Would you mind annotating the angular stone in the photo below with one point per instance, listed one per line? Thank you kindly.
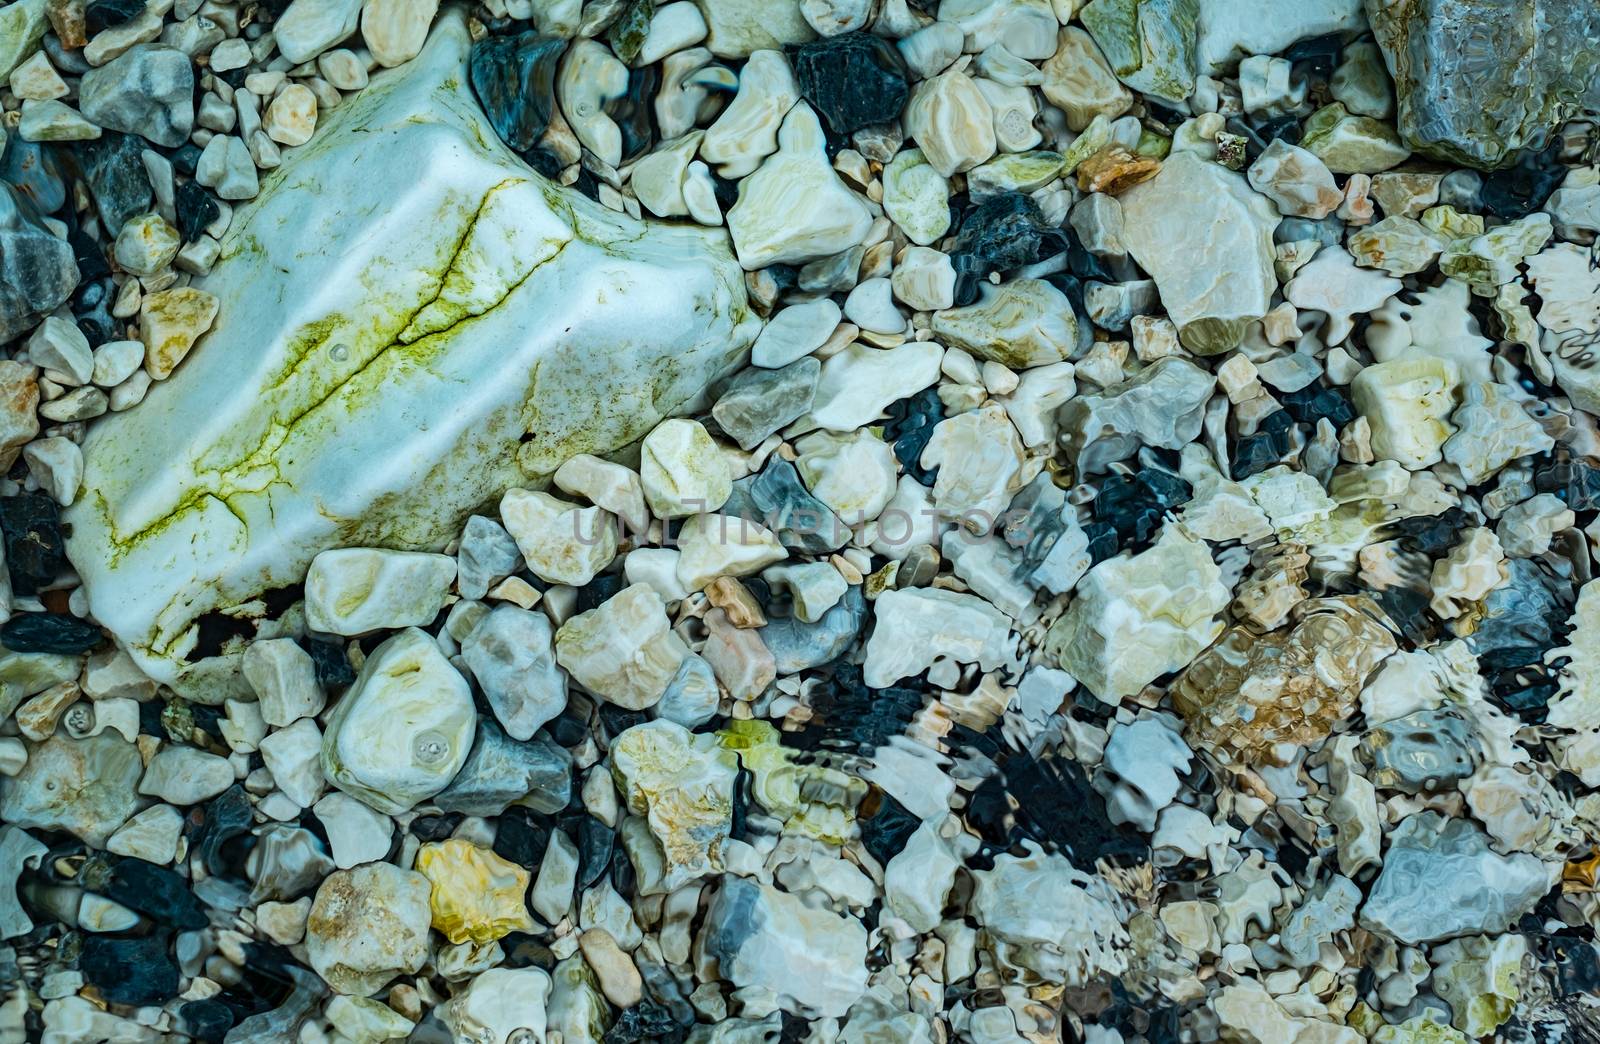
(357, 590)
(368, 925)
(1161, 406)
(327, 354)
(916, 625)
(1206, 239)
(758, 402)
(148, 90)
(1134, 619)
(500, 771)
(1477, 81)
(1351, 144)
(1149, 43)
(511, 655)
(916, 197)
(683, 783)
(1234, 29)
(623, 651)
(1019, 324)
(764, 939)
(85, 787)
(477, 895)
(1441, 880)
(37, 270)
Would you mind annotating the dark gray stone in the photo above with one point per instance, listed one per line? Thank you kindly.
(37, 271)
(758, 402)
(499, 771)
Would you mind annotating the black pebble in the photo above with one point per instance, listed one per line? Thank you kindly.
(1136, 504)
(598, 590)
(1004, 231)
(855, 80)
(1316, 401)
(206, 1020)
(910, 426)
(135, 971)
(156, 892)
(100, 15)
(436, 828)
(228, 817)
(196, 209)
(885, 831)
(594, 850)
(1517, 191)
(330, 661)
(185, 158)
(115, 176)
(521, 836)
(632, 112)
(1102, 541)
(514, 78)
(645, 1023)
(49, 633)
(91, 308)
(1575, 481)
(31, 523)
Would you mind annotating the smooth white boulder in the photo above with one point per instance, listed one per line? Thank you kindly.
(386, 267)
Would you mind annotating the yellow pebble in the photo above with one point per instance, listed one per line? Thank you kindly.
(477, 895)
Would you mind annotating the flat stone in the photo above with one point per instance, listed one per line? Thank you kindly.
(500, 771)
(812, 960)
(794, 333)
(1206, 239)
(1150, 44)
(758, 402)
(1441, 880)
(1463, 97)
(85, 787)
(357, 590)
(37, 270)
(247, 490)
(1234, 29)
(511, 655)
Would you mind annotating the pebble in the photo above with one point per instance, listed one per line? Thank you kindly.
(403, 730)
(952, 122)
(622, 651)
(358, 590)
(758, 402)
(368, 925)
(562, 542)
(819, 215)
(794, 332)
(148, 90)
(185, 776)
(37, 272)
(510, 653)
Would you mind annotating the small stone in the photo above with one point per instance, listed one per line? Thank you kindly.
(228, 166)
(1492, 430)
(54, 121)
(37, 270)
(511, 655)
(794, 208)
(357, 590)
(1297, 181)
(914, 626)
(514, 78)
(1333, 285)
(1469, 888)
(293, 756)
(395, 30)
(1161, 406)
(1407, 401)
(309, 27)
(170, 321)
(722, 545)
(758, 402)
(1215, 275)
(853, 81)
(368, 925)
(951, 122)
(682, 471)
(1397, 245)
(1078, 80)
(60, 347)
(812, 960)
(1114, 169)
(619, 978)
(1176, 591)
(291, 119)
(858, 383)
(85, 787)
(794, 333)
(916, 197)
(924, 280)
(498, 1004)
(683, 784)
(501, 771)
(355, 832)
(1351, 144)
(1021, 323)
(488, 554)
(476, 895)
(562, 542)
(152, 835)
(146, 245)
(362, 1019)
(853, 475)
(1150, 44)
(148, 90)
(403, 730)
(623, 650)
(37, 80)
(182, 775)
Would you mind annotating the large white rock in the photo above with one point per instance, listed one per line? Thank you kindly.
(387, 267)
(1205, 237)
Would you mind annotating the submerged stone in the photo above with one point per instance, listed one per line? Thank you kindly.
(1478, 80)
(514, 78)
(853, 81)
(202, 504)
